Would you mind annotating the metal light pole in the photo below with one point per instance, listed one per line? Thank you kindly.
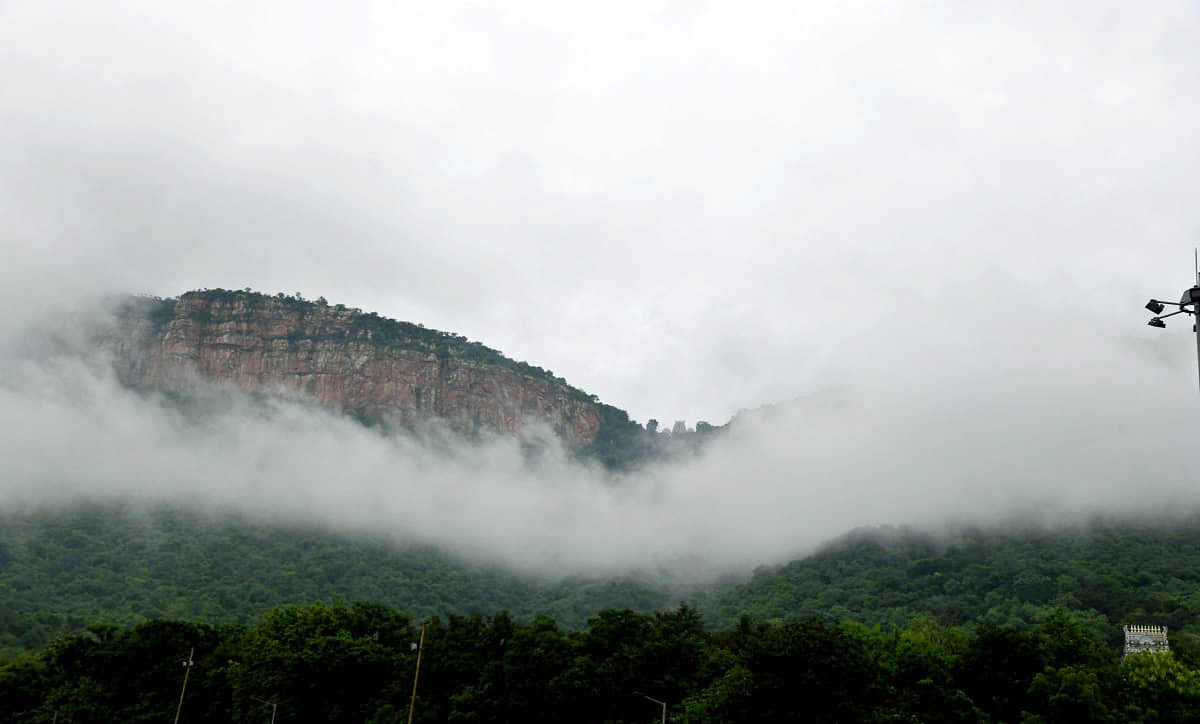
(271, 704)
(1189, 303)
(412, 705)
(187, 669)
(660, 702)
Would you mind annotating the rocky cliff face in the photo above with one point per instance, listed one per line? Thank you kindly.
(369, 366)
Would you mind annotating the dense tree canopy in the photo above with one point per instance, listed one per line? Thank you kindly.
(356, 663)
(1109, 571)
(63, 570)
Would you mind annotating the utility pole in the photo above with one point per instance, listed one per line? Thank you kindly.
(1189, 303)
(412, 705)
(187, 669)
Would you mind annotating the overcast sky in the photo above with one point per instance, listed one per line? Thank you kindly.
(949, 214)
(685, 208)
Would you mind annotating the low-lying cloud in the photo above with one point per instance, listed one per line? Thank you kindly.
(952, 432)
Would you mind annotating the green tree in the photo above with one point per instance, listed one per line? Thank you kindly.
(1072, 694)
(1160, 687)
(329, 663)
(810, 671)
(997, 670)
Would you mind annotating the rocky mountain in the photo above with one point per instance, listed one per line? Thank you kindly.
(371, 367)
(367, 365)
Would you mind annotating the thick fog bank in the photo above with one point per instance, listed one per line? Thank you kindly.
(921, 426)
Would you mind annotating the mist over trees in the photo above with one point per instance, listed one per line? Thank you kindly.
(1109, 570)
(948, 216)
(63, 570)
(101, 605)
(98, 606)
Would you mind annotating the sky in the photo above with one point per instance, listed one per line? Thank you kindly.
(948, 216)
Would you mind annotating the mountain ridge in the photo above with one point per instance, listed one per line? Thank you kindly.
(369, 366)
(372, 368)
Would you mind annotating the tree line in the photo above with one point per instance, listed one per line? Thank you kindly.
(356, 663)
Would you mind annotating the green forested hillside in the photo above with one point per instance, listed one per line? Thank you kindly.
(1111, 571)
(100, 606)
(63, 570)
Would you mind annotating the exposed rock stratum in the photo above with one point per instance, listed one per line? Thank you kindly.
(369, 366)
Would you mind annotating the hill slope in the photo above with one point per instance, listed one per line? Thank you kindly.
(60, 571)
(63, 570)
(1114, 570)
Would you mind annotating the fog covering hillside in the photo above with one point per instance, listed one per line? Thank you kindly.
(65, 569)
(950, 219)
(968, 437)
(1109, 570)
(879, 626)
(62, 570)
(935, 224)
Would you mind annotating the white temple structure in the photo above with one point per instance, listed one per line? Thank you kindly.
(1140, 639)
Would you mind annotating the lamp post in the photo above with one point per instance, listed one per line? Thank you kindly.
(660, 702)
(271, 704)
(1189, 303)
(412, 705)
(187, 669)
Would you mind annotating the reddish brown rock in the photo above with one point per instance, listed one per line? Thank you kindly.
(367, 365)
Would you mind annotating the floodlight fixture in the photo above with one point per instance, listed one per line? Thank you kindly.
(1189, 303)
(1181, 310)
